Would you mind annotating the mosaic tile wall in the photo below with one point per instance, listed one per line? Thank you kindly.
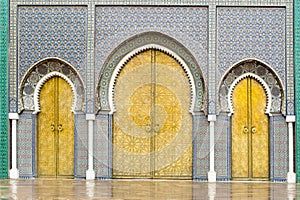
(222, 147)
(187, 25)
(51, 31)
(244, 32)
(25, 148)
(201, 147)
(279, 148)
(297, 80)
(102, 141)
(117, 24)
(3, 88)
(81, 146)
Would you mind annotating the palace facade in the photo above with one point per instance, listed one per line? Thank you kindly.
(150, 89)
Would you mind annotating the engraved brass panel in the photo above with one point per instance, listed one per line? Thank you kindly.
(250, 136)
(152, 99)
(260, 133)
(55, 146)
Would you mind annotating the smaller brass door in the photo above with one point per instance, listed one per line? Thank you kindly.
(55, 139)
(250, 135)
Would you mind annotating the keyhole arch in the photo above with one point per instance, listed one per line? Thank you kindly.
(40, 84)
(257, 78)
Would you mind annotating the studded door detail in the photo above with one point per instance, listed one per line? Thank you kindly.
(152, 135)
(250, 135)
(55, 146)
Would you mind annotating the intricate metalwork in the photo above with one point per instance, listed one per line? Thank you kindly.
(250, 137)
(152, 134)
(56, 130)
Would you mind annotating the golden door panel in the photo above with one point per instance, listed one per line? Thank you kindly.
(239, 139)
(46, 136)
(260, 132)
(173, 121)
(131, 128)
(65, 128)
(152, 98)
(250, 136)
(55, 130)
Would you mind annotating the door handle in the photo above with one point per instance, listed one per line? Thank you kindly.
(52, 127)
(246, 130)
(253, 130)
(148, 128)
(59, 127)
(156, 128)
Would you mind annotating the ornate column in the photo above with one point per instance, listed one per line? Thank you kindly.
(291, 176)
(14, 172)
(211, 174)
(90, 173)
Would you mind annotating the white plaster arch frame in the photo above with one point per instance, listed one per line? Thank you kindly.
(261, 81)
(131, 54)
(37, 91)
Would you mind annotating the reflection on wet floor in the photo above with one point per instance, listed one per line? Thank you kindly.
(143, 189)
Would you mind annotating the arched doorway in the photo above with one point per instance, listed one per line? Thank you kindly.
(249, 132)
(55, 138)
(152, 125)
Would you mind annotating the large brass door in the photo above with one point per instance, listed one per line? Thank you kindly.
(55, 139)
(152, 134)
(250, 135)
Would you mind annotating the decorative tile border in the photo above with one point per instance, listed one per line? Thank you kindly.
(102, 143)
(279, 147)
(222, 147)
(81, 146)
(297, 82)
(200, 147)
(3, 88)
(26, 147)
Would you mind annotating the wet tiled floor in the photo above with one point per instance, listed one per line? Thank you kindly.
(143, 189)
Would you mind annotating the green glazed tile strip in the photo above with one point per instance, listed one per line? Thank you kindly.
(297, 80)
(3, 88)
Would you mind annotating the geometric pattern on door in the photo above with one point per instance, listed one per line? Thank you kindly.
(250, 132)
(152, 125)
(55, 138)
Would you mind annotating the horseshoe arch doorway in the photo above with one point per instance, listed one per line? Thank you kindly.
(152, 125)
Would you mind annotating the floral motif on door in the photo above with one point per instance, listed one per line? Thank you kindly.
(152, 125)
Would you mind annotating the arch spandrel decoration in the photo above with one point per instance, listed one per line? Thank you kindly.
(42, 71)
(263, 74)
(142, 42)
